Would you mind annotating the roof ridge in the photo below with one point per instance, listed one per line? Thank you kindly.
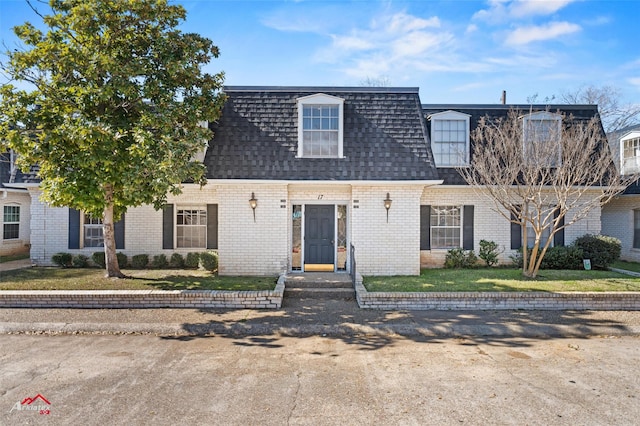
(321, 89)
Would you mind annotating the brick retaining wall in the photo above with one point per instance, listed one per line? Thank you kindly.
(603, 301)
(264, 299)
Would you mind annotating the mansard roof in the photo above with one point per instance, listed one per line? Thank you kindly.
(449, 175)
(385, 138)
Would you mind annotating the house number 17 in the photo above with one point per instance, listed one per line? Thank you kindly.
(320, 197)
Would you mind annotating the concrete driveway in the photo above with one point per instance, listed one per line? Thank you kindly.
(275, 380)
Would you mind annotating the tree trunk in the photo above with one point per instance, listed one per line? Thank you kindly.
(110, 258)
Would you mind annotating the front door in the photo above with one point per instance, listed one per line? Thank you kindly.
(319, 234)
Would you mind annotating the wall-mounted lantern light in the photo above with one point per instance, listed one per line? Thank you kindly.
(387, 205)
(253, 203)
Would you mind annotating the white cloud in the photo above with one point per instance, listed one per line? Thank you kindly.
(401, 22)
(504, 10)
(353, 42)
(552, 30)
(635, 81)
(524, 8)
(390, 42)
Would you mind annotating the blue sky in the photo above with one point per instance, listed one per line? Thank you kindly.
(458, 51)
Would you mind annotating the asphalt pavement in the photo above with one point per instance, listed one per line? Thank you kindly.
(320, 317)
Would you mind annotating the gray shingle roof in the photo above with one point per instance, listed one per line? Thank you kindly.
(20, 177)
(450, 176)
(257, 136)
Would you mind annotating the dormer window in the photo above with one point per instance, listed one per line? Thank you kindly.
(450, 138)
(630, 151)
(320, 126)
(541, 138)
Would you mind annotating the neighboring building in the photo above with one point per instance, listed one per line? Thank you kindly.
(298, 175)
(15, 204)
(621, 216)
(456, 215)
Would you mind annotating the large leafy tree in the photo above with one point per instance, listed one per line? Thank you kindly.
(115, 115)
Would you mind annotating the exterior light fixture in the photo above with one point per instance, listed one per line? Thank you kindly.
(253, 202)
(387, 205)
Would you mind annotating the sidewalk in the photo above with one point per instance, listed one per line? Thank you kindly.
(15, 264)
(306, 317)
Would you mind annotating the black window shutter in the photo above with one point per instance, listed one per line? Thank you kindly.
(467, 228)
(212, 226)
(118, 230)
(558, 238)
(167, 226)
(516, 234)
(636, 230)
(425, 227)
(74, 229)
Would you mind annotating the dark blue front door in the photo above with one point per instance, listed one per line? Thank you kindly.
(319, 234)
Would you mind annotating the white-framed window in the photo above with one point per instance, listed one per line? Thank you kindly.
(542, 138)
(450, 138)
(191, 227)
(320, 126)
(11, 223)
(92, 231)
(630, 152)
(446, 227)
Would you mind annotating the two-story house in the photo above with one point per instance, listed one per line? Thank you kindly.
(298, 175)
(621, 217)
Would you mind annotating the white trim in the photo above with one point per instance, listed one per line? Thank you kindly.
(634, 168)
(460, 227)
(335, 204)
(175, 224)
(321, 99)
(457, 116)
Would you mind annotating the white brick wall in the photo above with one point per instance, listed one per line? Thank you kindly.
(143, 226)
(383, 248)
(617, 221)
(247, 247)
(491, 226)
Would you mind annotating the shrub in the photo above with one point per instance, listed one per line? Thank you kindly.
(602, 250)
(517, 259)
(192, 261)
(139, 261)
(159, 261)
(562, 258)
(123, 261)
(459, 258)
(62, 259)
(98, 258)
(209, 260)
(489, 252)
(80, 261)
(176, 261)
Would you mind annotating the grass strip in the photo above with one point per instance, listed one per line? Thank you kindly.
(499, 279)
(94, 279)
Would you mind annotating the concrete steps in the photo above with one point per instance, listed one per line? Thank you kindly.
(319, 285)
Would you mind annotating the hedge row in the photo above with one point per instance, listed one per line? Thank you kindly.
(206, 260)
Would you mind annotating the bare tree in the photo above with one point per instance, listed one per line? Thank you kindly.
(615, 114)
(382, 81)
(541, 176)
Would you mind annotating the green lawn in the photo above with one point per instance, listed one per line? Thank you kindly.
(4, 259)
(499, 279)
(94, 279)
(629, 266)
